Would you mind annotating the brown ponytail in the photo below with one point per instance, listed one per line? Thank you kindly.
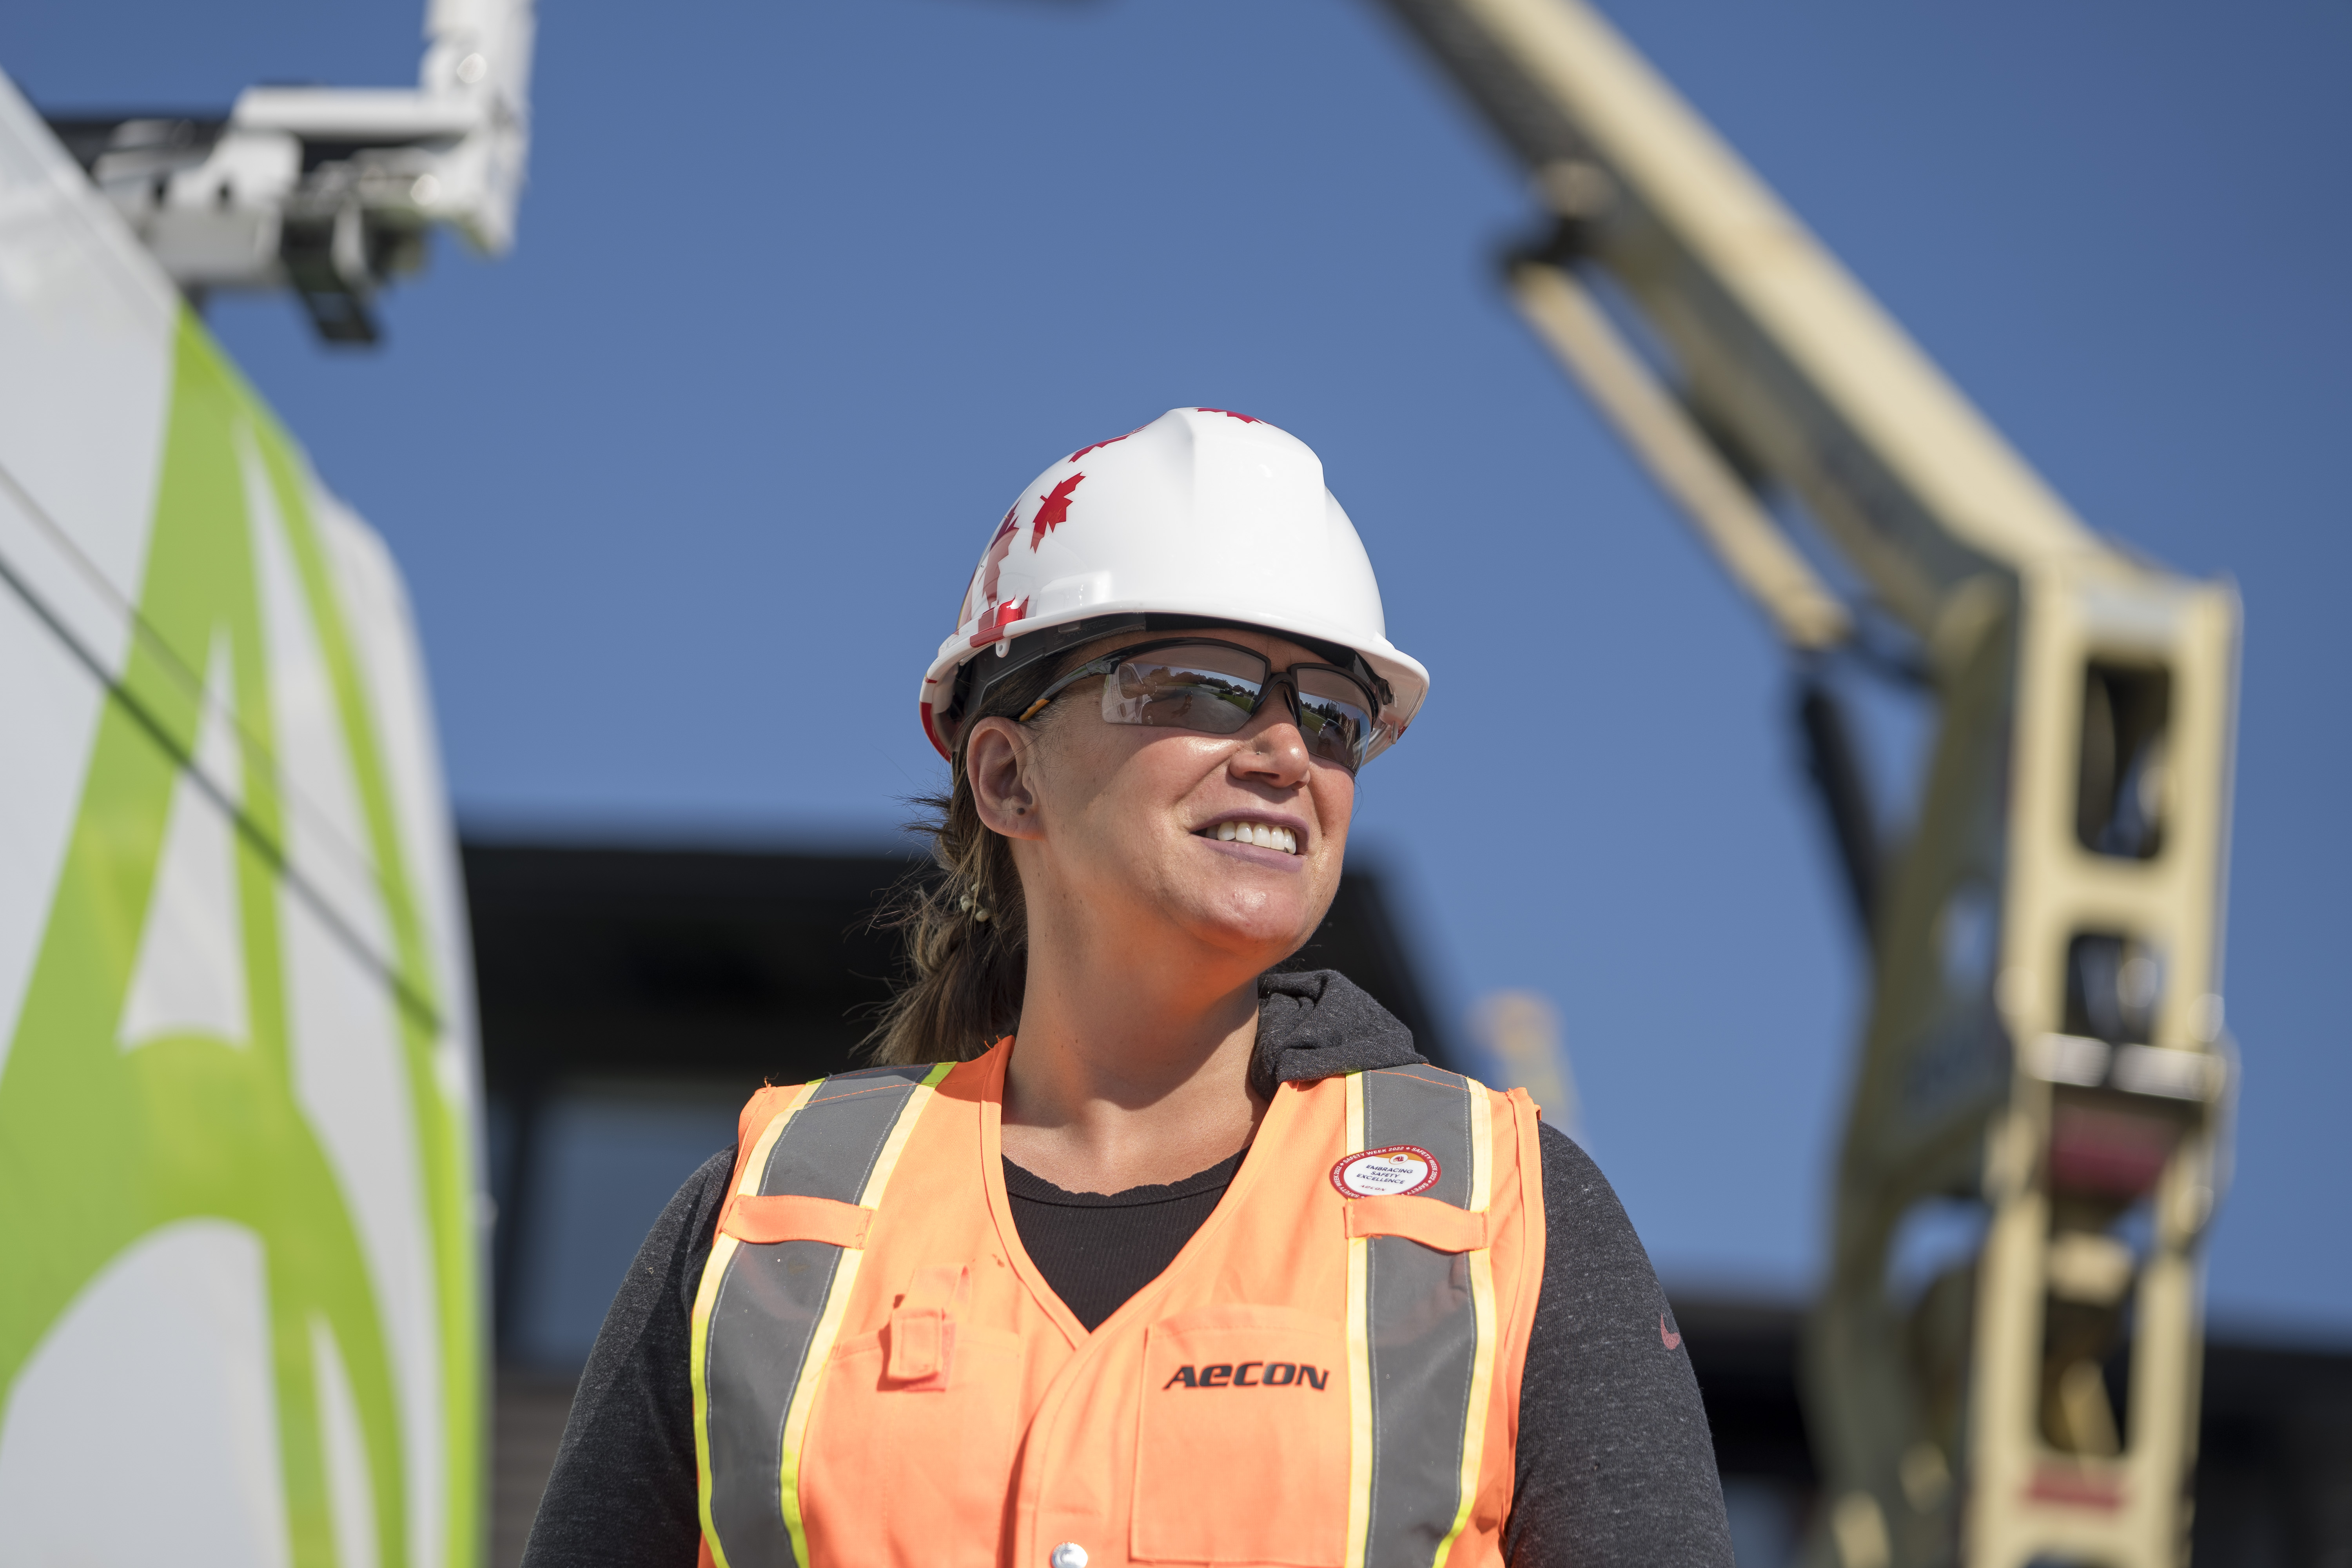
(967, 931)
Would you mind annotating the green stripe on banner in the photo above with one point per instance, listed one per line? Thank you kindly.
(101, 1145)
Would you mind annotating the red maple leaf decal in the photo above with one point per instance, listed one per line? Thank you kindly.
(1053, 510)
(1099, 445)
(1231, 415)
(992, 563)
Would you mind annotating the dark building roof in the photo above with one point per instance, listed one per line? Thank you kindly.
(609, 961)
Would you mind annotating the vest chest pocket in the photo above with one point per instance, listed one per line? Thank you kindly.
(1243, 1439)
(917, 1425)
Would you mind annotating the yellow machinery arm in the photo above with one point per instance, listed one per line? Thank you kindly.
(2044, 1065)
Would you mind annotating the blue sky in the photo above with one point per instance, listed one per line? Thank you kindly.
(805, 290)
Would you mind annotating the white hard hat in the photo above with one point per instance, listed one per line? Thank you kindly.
(1201, 517)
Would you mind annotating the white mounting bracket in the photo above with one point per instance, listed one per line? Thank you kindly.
(330, 192)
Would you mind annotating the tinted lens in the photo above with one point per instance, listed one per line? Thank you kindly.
(1203, 688)
(1334, 714)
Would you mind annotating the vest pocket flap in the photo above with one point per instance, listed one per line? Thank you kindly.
(789, 1217)
(923, 1329)
(922, 1345)
(1436, 1225)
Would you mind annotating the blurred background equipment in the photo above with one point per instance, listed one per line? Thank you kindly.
(1520, 1030)
(2045, 1050)
(329, 191)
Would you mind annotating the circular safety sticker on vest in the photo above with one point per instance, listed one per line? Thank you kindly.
(1399, 1171)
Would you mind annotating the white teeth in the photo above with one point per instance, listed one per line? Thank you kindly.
(1263, 835)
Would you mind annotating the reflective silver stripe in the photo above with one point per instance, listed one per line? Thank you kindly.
(770, 1301)
(1422, 1326)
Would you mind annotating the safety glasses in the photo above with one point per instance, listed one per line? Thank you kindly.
(1215, 688)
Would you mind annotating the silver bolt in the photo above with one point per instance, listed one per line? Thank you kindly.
(1069, 1555)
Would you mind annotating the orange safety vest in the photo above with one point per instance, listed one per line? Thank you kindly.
(1327, 1374)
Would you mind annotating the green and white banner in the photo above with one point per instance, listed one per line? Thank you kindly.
(241, 1299)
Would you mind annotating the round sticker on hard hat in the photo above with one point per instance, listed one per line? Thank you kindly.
(1399, 1171)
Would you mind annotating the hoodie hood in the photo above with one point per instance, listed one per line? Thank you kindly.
(1317, 1023)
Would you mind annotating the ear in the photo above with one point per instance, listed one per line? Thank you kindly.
(998, 758)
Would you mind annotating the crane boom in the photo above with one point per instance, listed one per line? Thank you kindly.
(2045, 1066)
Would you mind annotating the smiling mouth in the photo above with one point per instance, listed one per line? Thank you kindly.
(1265, 835)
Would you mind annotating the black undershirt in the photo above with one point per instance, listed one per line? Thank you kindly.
(1096, 1249)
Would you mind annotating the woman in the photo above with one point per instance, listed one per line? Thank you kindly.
(1132, 1249)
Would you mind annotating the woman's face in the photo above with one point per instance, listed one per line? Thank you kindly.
(1117, 824)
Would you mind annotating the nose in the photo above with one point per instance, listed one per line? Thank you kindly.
(1273, 750)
